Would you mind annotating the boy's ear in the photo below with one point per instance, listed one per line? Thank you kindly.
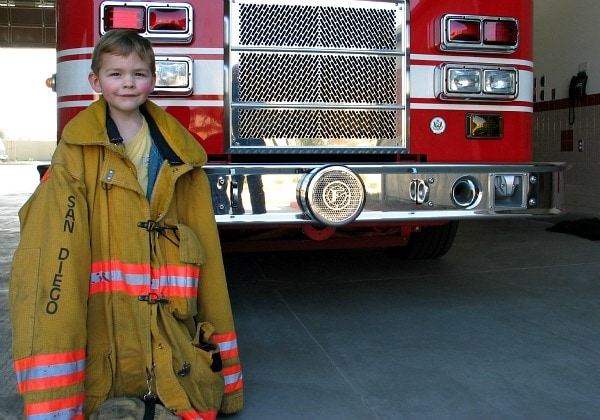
(94, 82)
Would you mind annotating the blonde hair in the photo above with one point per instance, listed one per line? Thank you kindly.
(123, 42)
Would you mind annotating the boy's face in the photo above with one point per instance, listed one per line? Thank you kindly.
(125, 82)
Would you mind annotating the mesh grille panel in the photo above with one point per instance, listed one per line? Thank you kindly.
(299, 59)
(317, 78)
(318, 127)
(314, 26)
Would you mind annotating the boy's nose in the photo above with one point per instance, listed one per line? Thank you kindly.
(128, 81)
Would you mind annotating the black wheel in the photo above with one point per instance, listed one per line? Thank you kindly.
(431, 242)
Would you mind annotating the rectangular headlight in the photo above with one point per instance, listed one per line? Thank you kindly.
(461, 80)
(173, 75)
(500, 82)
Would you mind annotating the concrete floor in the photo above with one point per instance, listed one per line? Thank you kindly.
(506, 325)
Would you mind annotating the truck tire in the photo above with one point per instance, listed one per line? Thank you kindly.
(431, 242)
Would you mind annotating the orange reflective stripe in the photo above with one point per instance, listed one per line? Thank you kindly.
(117, 286)
(113, 276)
(138, 279)
(49, 359)
(180, 281)
(50, 371)
(50, 382)
(64, 408)
(195, 415)
(227, 344)
(233, 378)
(179, 270)
(219, 338)
(229, 354)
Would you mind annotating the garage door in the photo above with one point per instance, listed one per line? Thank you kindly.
(27, 23)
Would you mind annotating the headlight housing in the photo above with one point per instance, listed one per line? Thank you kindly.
(173, 75)
(477, 82)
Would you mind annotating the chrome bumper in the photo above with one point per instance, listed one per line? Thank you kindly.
(271, 194)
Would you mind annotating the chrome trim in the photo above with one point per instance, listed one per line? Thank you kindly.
(397, 192)
(466, 192)
(314, 50)
(295, 105)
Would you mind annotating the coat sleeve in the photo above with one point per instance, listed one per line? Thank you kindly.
(48, 289)
(213, 297)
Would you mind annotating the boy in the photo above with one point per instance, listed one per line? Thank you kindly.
(118, 287)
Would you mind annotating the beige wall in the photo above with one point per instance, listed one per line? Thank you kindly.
(26, 150)
(556, 140)
(566, 38)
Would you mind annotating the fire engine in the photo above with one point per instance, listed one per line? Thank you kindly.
(339, 123)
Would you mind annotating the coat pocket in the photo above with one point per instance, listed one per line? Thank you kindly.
(183, 284)
(190, 247)
(23, 300)
(201, 371)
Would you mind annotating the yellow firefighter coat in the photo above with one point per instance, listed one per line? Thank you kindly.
(114, 295)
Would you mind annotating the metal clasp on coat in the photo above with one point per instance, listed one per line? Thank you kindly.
(153, 298)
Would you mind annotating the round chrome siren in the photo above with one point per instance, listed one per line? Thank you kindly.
(466, 192)
(331, 195)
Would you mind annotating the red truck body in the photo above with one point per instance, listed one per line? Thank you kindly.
(339, 123)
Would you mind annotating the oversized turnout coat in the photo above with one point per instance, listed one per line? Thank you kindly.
(112, 294)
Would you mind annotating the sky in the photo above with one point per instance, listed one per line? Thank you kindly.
(27, 106)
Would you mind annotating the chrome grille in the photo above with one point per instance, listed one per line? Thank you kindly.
(316, 26)
(317, 127)
(317, 76)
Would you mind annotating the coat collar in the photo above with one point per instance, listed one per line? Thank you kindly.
(89, 128)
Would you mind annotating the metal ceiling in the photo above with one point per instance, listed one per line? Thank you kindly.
(27, 23)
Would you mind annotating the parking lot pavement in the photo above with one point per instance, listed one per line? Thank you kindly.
(506, 325)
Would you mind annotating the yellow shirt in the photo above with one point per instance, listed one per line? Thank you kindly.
(138, 150)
